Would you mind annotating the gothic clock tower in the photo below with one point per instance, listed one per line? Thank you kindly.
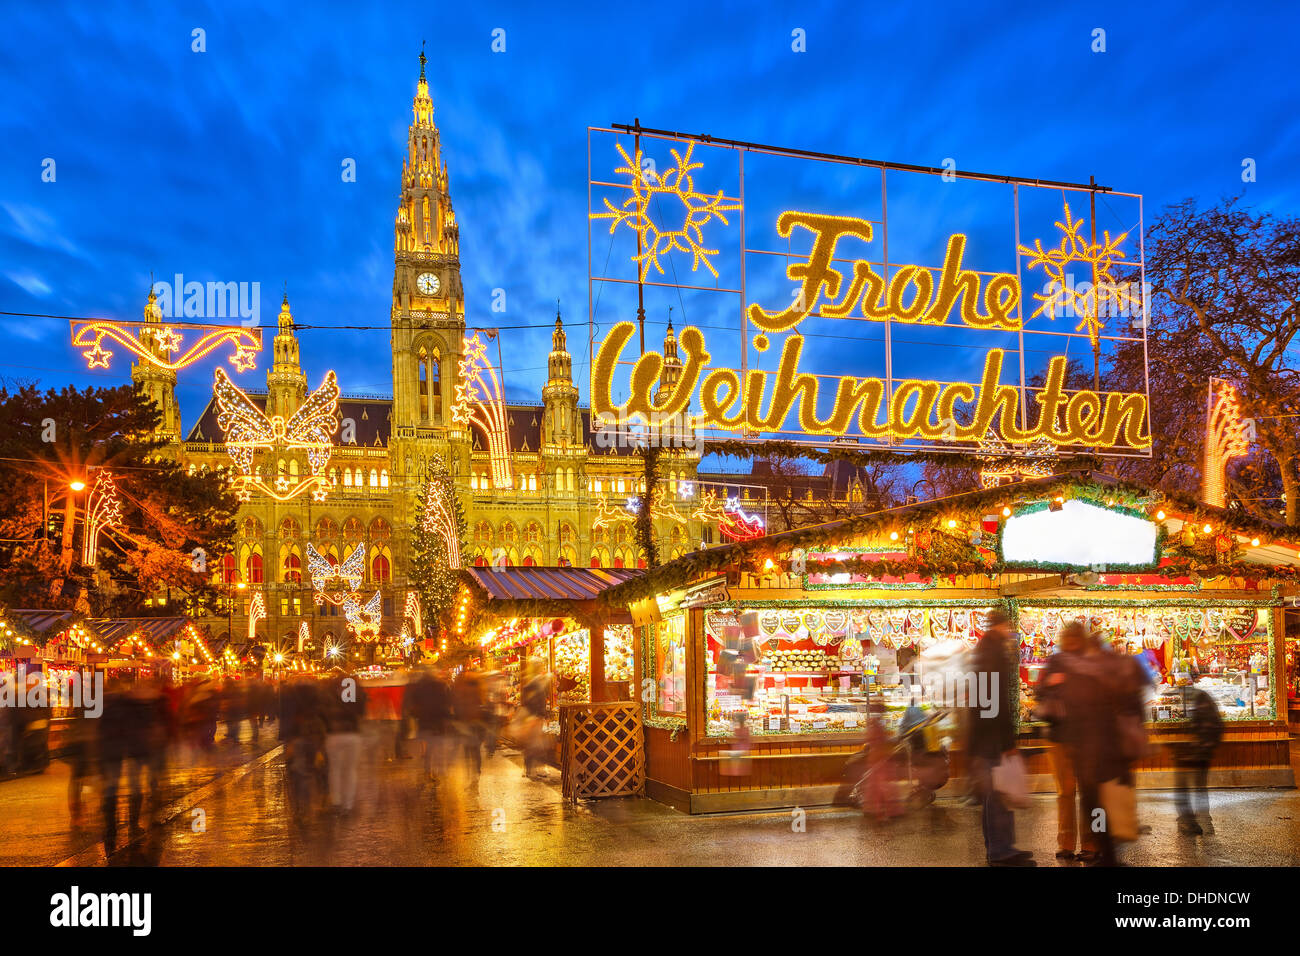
(428, 312)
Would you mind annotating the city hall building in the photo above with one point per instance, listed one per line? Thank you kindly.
(568, 498)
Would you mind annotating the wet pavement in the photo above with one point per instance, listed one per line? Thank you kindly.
(502, 818)
(36, 828)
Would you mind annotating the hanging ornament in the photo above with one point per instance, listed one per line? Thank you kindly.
(812, 620)
(1222, 544)
(790, 622)
(769, 622)
(835, 620)
(924, 538)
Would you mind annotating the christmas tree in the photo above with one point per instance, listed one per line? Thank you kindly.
(437, 545)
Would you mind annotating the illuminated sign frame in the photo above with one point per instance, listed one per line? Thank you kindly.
(679, 209)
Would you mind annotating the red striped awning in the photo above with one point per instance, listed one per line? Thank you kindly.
(548, 584)
(156, 631)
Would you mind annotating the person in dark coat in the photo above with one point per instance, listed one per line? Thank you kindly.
(430, 704)
(1074, 836)
(991, 737)
(1192, 762)
(1102, 697)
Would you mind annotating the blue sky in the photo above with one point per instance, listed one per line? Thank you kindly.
(225, 165)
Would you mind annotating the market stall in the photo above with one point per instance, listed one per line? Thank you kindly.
(769, 657)
(538, 621)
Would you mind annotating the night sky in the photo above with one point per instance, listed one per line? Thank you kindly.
(225, 165)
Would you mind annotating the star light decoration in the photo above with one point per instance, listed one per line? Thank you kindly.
(156, 344)
(248, 430)
(103, 510)
(256, 612)
(480, 400)
(413, 612)
(675, 186)
(1088, 300)
(439, 519)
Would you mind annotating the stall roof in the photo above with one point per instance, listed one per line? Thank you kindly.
(1281, 549)
(156, 630)
(548, 584)
(43, 621)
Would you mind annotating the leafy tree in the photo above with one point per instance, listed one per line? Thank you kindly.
(49, 440)
(1225, 302)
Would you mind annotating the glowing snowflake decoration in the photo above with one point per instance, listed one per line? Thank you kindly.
(1086, 300)
(676, 186)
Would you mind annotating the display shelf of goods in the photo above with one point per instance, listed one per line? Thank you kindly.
(815, 660)
(573, 664)
(618, 655)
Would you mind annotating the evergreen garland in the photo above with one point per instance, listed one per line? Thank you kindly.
(953, 559)
(645, 532)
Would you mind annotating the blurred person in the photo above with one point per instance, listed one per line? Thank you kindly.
(146, 747)
(114, 723)
(1074, 835)
(467, 705)
(345, 707)
(533, 700)
(78, 754)
(7, 689)
(234, 707)
(255, 694)
(1101, 695)
(991, 738)
(430, 705)
(1192, 764)
(304, 728)
(880, 784)
(493, 712)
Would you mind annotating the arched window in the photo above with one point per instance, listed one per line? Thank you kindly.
(435, 385)
(423, 373)
(293, 567)
(374, 478)
(293, 468)
(528, 560)
(379, 569)
(532, 533)
(509, 536)
(253, 569)
(228, 569)
(383, 478)
(347, 477)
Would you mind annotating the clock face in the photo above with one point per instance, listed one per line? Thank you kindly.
(428, 283)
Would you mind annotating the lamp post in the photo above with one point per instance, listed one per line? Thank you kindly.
(230, 608)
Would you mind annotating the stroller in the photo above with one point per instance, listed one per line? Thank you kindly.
(917, 752)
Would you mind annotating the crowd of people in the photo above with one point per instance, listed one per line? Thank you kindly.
(1091, 699)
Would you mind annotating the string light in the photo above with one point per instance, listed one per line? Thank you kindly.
(326, 578)
(439, 519)
(884, 302)
(256, 612)
(247, 429)
(165, 342)
(1227, 436)
(364, 621)
(729, 401)
(480, 400)
(739, 526)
